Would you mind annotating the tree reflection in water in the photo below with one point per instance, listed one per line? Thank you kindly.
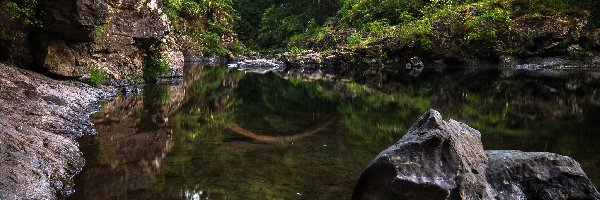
(230, 135)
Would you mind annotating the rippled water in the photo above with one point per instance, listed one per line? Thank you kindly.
(225, 134)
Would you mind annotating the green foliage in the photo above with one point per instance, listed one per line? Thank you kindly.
(208, 23)
(279, 22)
(320, 33)
(295, 51)
(237, 49)
(578, 52)
(356, 13)
(155, 67)
(211, 43)
(24, 10)
(354, 39)
(247, 18)
(173, 4)
(484, 27)
(97, 76)
(134, 79)
(98, 30)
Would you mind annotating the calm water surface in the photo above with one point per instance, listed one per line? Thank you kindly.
(224, 134)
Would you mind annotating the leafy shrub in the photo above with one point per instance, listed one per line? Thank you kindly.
(354, 39)
(155, 67)
(207, 23)
(191, 8)
(24, 10)
(97, 76)
(237, 49)
(173, 4)
(578, 52)
(358, 12)
(280, 21)
(211, 43)
(295, 51)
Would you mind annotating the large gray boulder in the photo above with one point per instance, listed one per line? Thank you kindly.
(537, 175)
(440, 159)
(436, 159)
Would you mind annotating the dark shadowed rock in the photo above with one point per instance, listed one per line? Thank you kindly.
(439, 159)
(415, 66)
(14, 35)
(537, 175)
(73, 20)
(436, 159)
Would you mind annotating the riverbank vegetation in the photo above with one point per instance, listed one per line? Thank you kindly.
(438, 28)
(207, 24)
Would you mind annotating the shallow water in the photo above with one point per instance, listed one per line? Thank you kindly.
(225, 134)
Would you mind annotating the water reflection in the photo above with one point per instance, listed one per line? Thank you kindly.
(225, 134)
(133, 143)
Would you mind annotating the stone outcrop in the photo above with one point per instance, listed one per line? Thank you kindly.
(40, 119)
(76, 35)
(440, 159)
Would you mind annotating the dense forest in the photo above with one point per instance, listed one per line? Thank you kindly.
(371, 30)
(481, 27)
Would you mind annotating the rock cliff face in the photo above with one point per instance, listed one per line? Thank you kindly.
(76, 35)
(439, 159)
(40, 119)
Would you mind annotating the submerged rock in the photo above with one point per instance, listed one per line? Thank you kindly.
(440, 159)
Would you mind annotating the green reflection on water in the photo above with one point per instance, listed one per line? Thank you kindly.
(230, 135)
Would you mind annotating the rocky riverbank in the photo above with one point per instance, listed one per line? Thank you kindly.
(41, 118)
(340, 65)
(440, 159)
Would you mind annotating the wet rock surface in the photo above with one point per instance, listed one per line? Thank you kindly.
(257, 64)
(440, 159)
(366, 68)
(40, 119)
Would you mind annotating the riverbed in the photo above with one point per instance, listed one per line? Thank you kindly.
(227, 134)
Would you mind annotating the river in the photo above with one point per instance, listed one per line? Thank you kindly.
(226, 134)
